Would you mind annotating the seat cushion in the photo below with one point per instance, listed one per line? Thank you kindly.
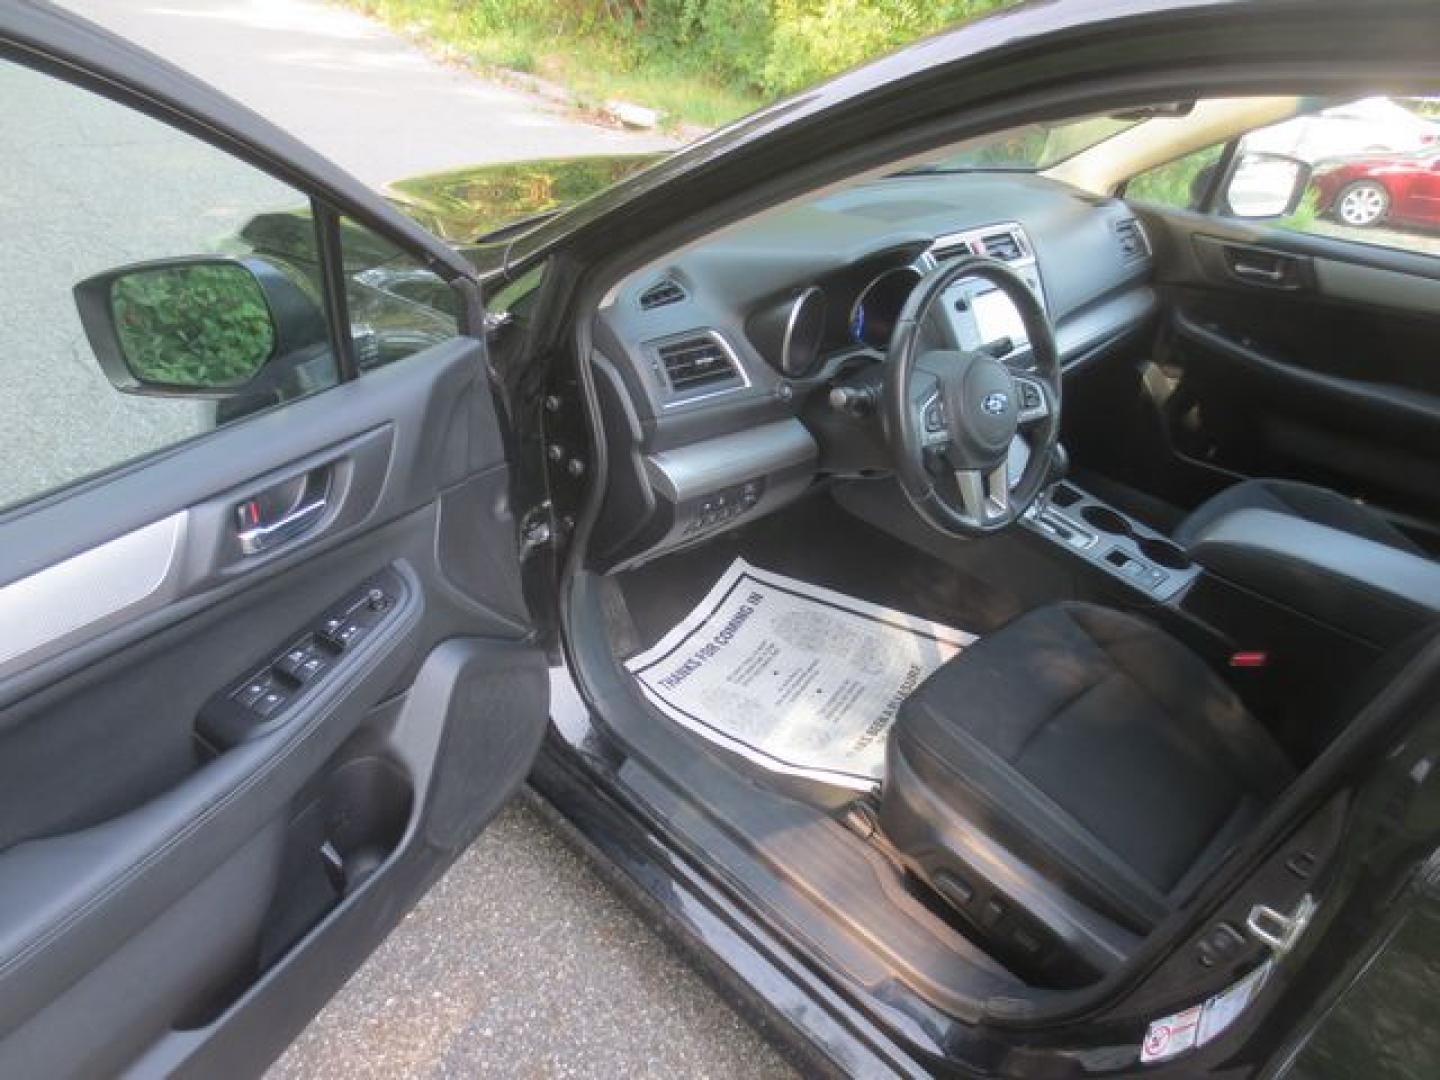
(1097, 749)
(1317, 504)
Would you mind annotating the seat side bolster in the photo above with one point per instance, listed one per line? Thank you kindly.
(938, 839)
(1020, 816)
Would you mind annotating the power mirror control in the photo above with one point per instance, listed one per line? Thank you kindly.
(259, 701)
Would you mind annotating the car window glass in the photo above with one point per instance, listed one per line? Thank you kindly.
(1375, 171)
(397, 305)
(1365, 171)
(87, 187)
(1182, 183)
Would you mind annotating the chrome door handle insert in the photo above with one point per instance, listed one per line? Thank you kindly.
(1259, 272)
(260, 538)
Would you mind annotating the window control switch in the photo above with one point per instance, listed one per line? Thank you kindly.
(252, 691)
(346, 634)
(270, 693)
(269, 702)
(301, 663)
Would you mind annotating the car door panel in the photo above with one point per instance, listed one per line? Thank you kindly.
(151, 879)
(1314, 366)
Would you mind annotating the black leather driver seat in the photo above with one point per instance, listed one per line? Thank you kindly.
(1317, 504)
(1066, 781)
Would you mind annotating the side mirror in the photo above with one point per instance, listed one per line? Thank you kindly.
(198, 326)
(1264, 185)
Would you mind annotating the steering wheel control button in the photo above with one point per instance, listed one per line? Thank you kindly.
(1031, 400)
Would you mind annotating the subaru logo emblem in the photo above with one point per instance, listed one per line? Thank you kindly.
(995, 403)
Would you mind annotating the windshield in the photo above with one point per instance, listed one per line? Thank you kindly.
(1030, 148)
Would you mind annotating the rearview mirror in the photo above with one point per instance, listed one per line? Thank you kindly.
(1265, 185)
(199, 326)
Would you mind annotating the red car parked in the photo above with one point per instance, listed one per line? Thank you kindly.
(1385, 187)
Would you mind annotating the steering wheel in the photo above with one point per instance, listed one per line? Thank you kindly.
(951, 415)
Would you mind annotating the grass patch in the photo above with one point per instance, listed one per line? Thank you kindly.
(702, 62)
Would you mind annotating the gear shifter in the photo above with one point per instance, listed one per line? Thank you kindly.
(1059, 469)
(1059, 466)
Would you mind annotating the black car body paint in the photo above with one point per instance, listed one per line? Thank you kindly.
(1036, 61)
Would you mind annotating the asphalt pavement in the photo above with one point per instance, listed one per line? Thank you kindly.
(365, 98)
(521, 961)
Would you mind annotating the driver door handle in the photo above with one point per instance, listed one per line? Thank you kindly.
(1251, 271)
(303, 507)
(1265, 268)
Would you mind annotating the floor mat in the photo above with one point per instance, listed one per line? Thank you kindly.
(797, 678)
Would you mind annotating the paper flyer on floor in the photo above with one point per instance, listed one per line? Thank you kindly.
(797, 678)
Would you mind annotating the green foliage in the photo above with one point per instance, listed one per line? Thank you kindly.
(1173, 184)
(1306, 216)
(813, 39)
(705, 61)
(198, 326)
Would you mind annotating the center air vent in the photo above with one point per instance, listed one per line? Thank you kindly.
(700, 362)
(1133, 242)
(665, 291)
(1006, 242)
(1004, 246)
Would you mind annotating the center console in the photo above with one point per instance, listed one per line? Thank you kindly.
(1373, 592)
(1307, 608)
(1114, 543)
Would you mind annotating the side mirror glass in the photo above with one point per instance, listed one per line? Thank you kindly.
(200, 326)
(1265, 185)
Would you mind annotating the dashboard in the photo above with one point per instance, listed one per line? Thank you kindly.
(714, 367)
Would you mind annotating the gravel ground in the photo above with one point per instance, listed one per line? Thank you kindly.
(520, 963)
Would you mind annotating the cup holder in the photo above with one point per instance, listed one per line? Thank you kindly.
(1106, 520)
(1163, 553)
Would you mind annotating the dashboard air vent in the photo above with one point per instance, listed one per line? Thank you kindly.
(1133, 242)
(696, 363)
(665, 291)
(1004, 246)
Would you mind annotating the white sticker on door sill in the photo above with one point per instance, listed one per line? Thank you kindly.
(1222, 1009)
(1170, 1035)
(1196, 1026)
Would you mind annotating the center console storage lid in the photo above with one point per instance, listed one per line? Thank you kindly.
(1366, 589)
